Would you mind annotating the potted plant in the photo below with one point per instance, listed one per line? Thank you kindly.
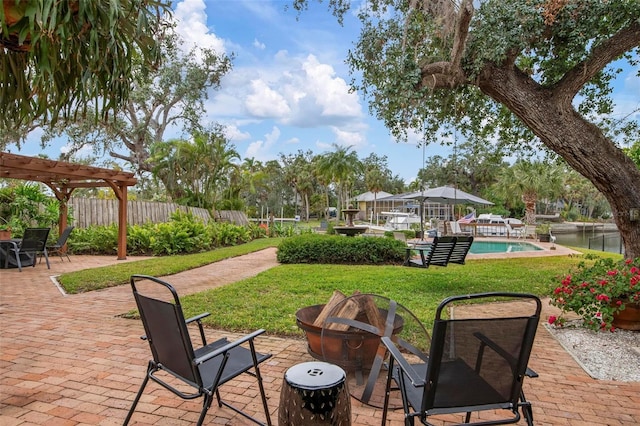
(542, 230)
(5, 230)
(605, 295)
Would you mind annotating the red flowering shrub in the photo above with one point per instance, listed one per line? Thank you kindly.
(597, 292)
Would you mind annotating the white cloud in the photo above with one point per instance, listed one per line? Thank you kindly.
(191, 20)
(260, 148)
(265, 102)
(258, 44)
(345, 138)
(234, 134)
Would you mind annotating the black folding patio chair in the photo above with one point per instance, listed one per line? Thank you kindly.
(60, 247)
(461, 249)
(203, 370)
(474, 364)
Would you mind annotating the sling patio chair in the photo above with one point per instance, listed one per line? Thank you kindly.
(474, 364)
(461, 249)
(515, 232)
(60, 247)
(437, 253)
(456, 229)
(25, 251)
(176, 365)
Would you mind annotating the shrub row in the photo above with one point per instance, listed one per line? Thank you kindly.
(338, 249)
(183, 234)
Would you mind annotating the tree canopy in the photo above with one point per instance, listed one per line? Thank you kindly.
(58, 58)
(519, 71)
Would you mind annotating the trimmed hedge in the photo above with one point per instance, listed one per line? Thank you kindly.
(338, 249)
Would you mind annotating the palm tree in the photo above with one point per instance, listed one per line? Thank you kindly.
(196, 171)
(340, 167)
(530, 181)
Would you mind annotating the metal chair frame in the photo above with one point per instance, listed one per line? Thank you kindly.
(59, 247)
(205, 369)
(456, 377)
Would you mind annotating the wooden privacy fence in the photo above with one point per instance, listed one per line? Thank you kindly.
(95, 211)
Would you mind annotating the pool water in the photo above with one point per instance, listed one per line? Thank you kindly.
(484, 247)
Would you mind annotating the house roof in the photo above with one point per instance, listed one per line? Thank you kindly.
(369, 196)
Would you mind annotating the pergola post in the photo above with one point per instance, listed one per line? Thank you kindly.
(122, 223)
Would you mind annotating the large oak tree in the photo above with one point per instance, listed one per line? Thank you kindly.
(524, 71)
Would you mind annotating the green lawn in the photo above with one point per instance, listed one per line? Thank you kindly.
(271, 299)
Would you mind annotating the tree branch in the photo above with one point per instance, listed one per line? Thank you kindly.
(603, 54)
(450, 73)
(460, 36)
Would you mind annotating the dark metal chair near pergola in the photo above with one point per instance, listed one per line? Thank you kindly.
(476, 363)
(187, 372)
(59, 247)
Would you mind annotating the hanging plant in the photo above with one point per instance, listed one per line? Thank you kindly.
(61, 58)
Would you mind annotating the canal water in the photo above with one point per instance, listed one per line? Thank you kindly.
(598, 240)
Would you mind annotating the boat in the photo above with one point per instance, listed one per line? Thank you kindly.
(491, 225)
(396, 221)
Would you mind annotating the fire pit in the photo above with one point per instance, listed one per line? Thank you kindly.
(346, 331)
(350, 349)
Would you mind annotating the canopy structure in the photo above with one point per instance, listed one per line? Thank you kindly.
(446, 195)
(63, 178)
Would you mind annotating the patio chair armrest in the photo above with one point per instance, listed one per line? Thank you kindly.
(226, 348)
(411, 348)
(198, 319)
(407, 369)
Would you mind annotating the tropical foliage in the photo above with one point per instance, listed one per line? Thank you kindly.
(76, 56)
(183, 234)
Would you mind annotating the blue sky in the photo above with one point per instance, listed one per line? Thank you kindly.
(289, 86)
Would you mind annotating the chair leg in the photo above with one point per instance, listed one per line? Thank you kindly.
(387, 392)
(263, 395)
(18, 261)
(46, 258)
(206, 403)
(135, 401)
(527, 411)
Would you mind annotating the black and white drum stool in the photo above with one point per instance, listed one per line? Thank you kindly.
(314, 393)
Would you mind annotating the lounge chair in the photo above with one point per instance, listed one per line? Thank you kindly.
(515, 232)
(530, 232)
(474, 364)
(401, 236)
(176, 361)
(461, 249)
(437, 253)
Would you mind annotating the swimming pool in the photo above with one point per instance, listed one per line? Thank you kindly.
(484, 247)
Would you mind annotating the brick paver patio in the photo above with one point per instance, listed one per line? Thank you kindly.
(72, 360)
